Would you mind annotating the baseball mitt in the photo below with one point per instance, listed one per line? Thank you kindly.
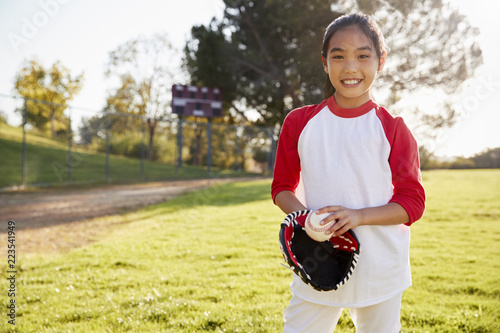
(323, 265)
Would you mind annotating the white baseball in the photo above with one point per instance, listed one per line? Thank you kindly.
(314, 229)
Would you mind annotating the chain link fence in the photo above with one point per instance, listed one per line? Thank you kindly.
(110, 146)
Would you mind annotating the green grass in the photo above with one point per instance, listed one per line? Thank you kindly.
(455, 255)
(209, 261)
(47, 163)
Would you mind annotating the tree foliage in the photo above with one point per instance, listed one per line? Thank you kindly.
(487, 159)
(431, 44)
(54, 85)
(143, 66)
(432, 47)
(265, 55)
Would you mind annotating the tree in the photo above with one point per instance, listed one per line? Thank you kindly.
(55, 85)
(270, 50)
(487, 159)
(90, 128)
(144, 67)
(264, 58)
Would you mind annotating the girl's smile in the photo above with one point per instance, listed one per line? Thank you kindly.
(351, 83)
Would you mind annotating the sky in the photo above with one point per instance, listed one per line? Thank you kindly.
(81, 33)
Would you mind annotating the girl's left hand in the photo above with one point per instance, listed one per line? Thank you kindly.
(346, 219)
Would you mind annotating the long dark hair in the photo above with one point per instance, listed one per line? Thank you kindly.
(366, 25)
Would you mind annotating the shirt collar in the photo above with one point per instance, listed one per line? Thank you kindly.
(349, 113)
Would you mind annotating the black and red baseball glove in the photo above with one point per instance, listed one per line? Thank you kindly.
(323, 265)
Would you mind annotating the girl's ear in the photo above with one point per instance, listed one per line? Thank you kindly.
(325, 66)
(382, 62)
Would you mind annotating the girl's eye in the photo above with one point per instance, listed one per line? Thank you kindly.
(364, 56)
(338, 57)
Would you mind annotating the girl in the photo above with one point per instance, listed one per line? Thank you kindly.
(349, 157)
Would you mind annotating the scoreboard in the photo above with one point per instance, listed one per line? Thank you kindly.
(196, 101)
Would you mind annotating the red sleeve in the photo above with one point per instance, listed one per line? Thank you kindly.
(286, 174)
(405, 167)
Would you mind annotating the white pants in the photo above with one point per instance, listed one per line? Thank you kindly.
(304, 317)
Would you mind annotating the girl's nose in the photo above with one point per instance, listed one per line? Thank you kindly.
(350, 66)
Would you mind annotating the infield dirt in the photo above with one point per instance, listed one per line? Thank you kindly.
(59, 219)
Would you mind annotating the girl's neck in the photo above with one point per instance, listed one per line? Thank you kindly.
(351, 103)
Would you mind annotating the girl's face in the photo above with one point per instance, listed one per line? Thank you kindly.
(352, 64)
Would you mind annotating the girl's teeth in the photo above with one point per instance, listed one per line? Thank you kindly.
(351, 81)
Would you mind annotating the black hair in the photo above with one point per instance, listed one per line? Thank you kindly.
(366, 25)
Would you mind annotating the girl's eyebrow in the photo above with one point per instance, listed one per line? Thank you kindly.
(339, 49)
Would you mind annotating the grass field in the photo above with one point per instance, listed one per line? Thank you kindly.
(210, 261)
(47, 164)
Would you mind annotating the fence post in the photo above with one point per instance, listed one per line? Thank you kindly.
(179, 142)
(70, 144)
(272, 152)
(24, 158)
(209, 144)
(143, 134)
(107, 146)
(236, 149)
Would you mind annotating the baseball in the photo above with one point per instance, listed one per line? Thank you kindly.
(314, 229)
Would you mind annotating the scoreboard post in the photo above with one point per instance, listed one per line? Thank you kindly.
(198, 102)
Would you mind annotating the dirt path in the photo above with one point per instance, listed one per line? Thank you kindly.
(56, 220)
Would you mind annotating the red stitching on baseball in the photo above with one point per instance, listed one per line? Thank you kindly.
(313, 228)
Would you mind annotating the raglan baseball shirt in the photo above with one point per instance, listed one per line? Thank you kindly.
(356, 158)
